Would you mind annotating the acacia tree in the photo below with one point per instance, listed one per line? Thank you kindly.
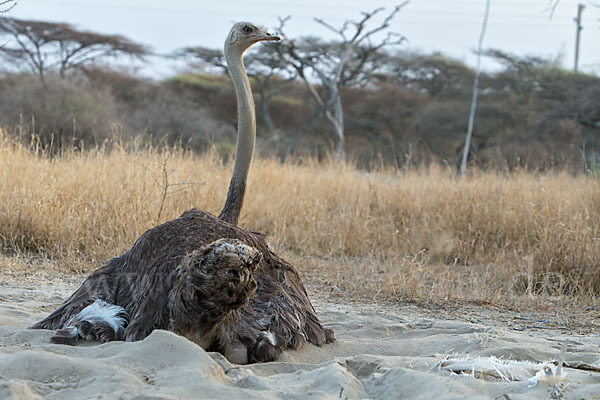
(270, 76)
(563, 95)
(435, 74)
(337, 64)
(523, 75)
(7, 5)
(44, 46)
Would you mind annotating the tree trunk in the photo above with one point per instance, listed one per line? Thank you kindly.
(465, 157)
(42, 75)
(339, 128)
(337, 122)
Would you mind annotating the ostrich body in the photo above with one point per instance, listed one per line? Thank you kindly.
(198, 275)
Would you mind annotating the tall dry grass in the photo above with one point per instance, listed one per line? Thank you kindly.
(424, 235)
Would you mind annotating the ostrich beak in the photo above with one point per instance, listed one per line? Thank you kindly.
(265, 36)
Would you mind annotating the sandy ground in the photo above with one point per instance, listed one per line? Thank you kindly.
(381, 353)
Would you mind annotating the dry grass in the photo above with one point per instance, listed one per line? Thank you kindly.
(421, 235)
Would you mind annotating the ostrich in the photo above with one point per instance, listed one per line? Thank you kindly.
(198, 275)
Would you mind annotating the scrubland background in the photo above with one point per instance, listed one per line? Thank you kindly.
(532, 114)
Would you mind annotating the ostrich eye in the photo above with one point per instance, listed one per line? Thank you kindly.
(247, 29)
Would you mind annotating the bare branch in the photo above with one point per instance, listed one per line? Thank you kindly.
(10, 3)
(338, 63)
(552, 8)
(332, 28)
(386, 22)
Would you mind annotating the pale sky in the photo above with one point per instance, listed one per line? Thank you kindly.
(450, 26)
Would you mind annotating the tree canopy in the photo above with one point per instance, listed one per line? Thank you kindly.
(44, 46)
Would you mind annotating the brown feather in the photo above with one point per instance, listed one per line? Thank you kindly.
(142, 280)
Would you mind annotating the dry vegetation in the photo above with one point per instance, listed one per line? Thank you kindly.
(491, 238)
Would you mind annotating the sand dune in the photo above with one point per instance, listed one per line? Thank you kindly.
(380, 354)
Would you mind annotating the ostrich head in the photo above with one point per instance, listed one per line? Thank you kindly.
(244, 35)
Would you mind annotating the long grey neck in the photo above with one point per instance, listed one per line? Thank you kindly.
(245, 141)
